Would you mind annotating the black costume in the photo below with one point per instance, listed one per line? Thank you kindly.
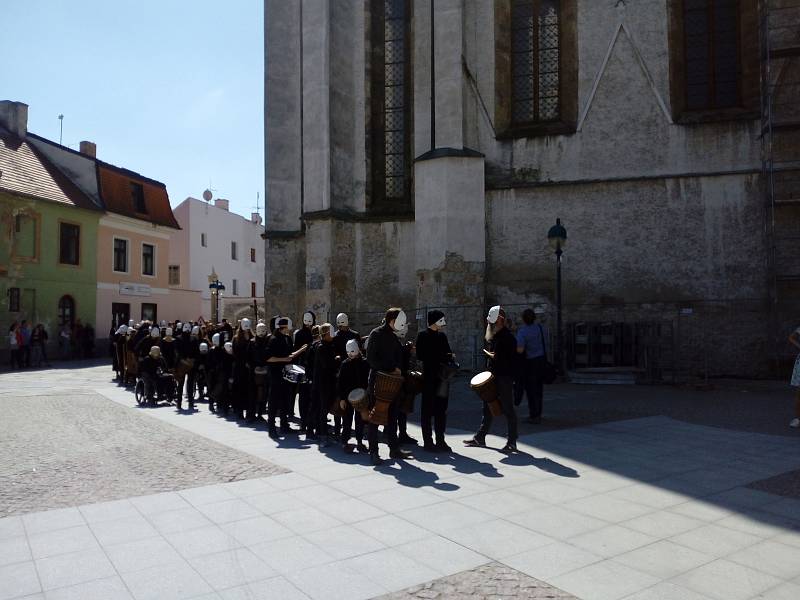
(504, 346)
(384, 353)
(278, 346)
(259, 353)
(324, 386)
(353, 373)
(241, 373)
(433, 350)
(304, 337)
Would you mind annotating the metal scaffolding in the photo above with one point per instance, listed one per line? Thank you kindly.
(780, 146)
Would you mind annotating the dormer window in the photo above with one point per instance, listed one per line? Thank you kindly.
(137, 195)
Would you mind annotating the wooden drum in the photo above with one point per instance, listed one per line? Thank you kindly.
(484, 385)
(386, 389)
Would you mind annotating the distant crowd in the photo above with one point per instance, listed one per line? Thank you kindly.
(29, 344)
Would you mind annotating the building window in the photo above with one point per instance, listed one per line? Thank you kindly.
(203, 242)
(235, 287)
(69, 244)
(252, 289)
(149, 312)
(174, 275)
(120, 255)
(13, 299)
(535, 61)
(714, 60)
(120, 313)
(234, 251)
(252, 255)
(25, 236)
(391, 102)
(711, 46)
(66, 312)
(148, 259)
(137, 195)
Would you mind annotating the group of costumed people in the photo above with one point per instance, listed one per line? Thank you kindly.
(258, 373)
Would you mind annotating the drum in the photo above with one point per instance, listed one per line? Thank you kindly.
(386, 389)
(358, 399)
(485, 386)
(260, 376)
(446, 373)
(294, 373)
(414, 383)
(184, 366)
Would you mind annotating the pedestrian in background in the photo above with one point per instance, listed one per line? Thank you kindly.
(13, 343)
(25, 344)
(531, 346)
(794, 340)
(65, 341)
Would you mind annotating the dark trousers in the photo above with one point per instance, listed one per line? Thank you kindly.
(278, 392)
(390, 430)
(347, 425)
(505, 391)
(25, 351)
(16, 359)
(305, 405)
(258, 399)
(433, 413)
(529, 382)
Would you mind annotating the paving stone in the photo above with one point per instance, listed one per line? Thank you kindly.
(487, 582)
(90, 449)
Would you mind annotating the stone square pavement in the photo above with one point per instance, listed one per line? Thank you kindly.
(641, 509)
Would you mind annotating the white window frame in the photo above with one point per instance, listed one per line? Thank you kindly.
(155, 259)
(127, 255)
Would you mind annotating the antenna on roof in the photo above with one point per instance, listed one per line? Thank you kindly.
(61, 127)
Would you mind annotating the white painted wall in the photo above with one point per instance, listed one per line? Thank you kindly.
(221, 228)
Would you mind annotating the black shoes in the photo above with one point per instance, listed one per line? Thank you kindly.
(443, 447)
(406, 439)
(509, 448)
(375, 460)
(475, 443)
(429, 447)
(362, 448)
(400, 454)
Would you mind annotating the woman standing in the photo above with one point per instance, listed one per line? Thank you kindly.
(794, 340)
(13, 342)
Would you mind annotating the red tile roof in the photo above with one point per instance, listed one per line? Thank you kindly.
(26, 172)
(115, 190)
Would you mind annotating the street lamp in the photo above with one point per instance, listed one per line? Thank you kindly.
(557, 236)
(216, 287)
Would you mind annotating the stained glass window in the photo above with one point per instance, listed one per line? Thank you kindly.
(535, 60)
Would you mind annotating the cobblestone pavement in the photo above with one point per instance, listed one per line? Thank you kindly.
(63, 450)
(489, 582)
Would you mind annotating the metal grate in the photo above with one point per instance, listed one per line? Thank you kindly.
(711, 30)
(535, 60)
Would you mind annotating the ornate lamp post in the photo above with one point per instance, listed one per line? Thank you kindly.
(557, 236)
(216, 288)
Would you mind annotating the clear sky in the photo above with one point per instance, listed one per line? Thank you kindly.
(172, 89)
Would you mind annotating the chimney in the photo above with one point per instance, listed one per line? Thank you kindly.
(14, 117)
(221, 203)
(255, 218)
(89, 148)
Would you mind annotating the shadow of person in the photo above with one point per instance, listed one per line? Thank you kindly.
(410, 475)
(460, 463)
(292, 441)
(523, 459)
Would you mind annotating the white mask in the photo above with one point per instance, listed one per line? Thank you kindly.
(186, 328)
(342, 320)
(352, 348)
(195, 330)
(154, 333)
(246, 324)
(229, 347)
(400, 322)
(168, 332)
(308, 319)
(155, 351)
(203, 348)
(494, 314)
(215, 340)
(441, 322)
(261, 329)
